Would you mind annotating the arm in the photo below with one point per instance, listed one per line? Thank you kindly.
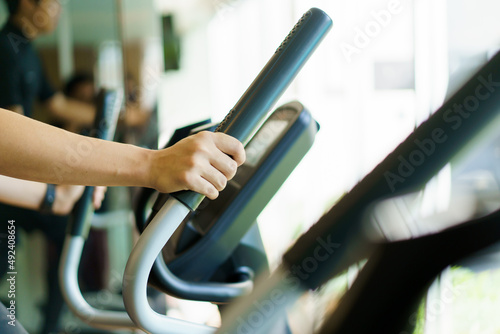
(29, 195)
(70, 110)
(36, 151)
(135, 115)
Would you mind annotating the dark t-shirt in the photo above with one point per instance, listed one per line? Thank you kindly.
(22, 80)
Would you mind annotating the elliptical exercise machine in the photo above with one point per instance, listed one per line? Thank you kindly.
(397, 272)
(277, 147)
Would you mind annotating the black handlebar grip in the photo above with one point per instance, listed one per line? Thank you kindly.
(80, 213)
(252, 108)
(107, 109)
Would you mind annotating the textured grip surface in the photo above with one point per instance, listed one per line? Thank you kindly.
(294, 29)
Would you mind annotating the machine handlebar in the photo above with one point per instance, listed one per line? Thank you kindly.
(253, 106)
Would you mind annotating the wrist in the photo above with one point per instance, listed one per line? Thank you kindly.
(148, 173)
(136, 170)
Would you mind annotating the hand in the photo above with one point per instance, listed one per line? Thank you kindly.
(98, 196)
(66, 197)
(203, 163)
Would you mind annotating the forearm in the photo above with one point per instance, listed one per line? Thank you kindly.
(25, 194)
(35, 151)
(29, 195)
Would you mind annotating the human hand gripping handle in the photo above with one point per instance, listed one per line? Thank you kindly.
(203, 163)
(252, 108)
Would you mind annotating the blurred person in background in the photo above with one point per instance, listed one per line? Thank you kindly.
(34, 206)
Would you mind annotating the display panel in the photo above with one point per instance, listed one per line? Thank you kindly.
(263, 140)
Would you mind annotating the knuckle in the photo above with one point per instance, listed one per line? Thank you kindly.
(233, 168)
(239, 152)
(222, 183)
(204, 135)
(240, 147)
(190, 162)
(212, 193)
(242, 151)
(185, 178)
(197, 146)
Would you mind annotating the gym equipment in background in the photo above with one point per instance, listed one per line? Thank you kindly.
(338, 239)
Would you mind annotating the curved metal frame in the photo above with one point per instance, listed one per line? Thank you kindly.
(139, 266)
(68, 276)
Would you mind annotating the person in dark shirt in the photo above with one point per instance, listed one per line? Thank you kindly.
(22, 79)
(22, 83)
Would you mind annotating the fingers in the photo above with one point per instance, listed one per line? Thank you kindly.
(207, 181)
(209, 174)
(215, 177)
(98, 196)
(225, 158)
(202, 163)
(66, 197)
(224, 164)
(228, 154)
(207, 188)
(230, 146)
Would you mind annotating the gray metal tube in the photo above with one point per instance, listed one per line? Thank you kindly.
(139, 265)
(202, 291)
(68, 276)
